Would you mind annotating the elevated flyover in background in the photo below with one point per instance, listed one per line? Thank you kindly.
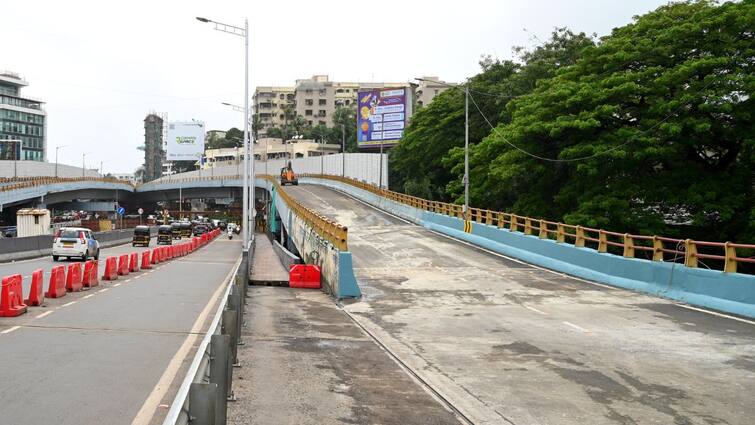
(506, 341)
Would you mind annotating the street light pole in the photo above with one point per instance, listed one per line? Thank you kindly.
(83, 164)
(56, 158)
(466, 153)
(245, 215)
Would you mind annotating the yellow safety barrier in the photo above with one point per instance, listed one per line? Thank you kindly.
(325, 227)
(661, 248)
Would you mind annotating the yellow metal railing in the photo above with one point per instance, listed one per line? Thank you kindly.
(24, 182)
(661, 248)
(325, 227)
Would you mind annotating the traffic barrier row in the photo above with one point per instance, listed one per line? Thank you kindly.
(86, 275)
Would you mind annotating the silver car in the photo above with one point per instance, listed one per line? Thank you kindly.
(75, 242)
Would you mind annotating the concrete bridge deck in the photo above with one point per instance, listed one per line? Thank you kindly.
(506, 342)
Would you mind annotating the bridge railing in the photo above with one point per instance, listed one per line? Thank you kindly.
(655, 248)
(24, 182)
(328, 229)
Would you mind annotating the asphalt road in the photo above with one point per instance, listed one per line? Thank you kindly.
(27, 267)
(94, 357)
(510, 343)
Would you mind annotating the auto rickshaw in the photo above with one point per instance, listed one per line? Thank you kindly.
(142, 236)
(165, 235)
(185, 230)
(176, 230)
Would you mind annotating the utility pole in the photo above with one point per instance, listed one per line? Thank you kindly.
(343, 150)
(466, 153)
(380, 180)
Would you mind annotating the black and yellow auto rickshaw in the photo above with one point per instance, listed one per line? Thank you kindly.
(185, 230)
(165, 235)
(176, 230)
(141, 236)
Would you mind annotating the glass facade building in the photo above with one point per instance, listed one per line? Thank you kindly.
(22, 122)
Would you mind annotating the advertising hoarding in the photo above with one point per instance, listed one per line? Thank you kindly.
(185, 141)
(382, 115)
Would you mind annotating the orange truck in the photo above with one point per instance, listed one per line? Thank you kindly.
(288, 176)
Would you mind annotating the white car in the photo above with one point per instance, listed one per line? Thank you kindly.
(75, 242)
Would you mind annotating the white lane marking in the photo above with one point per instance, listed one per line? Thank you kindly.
(117, 284)
(9, 330)
(127, 281)
(715, 313)
(577, 327)
(535, 310)
(46, 313)
(138, 277)
(67, 304)
(103, 290)
(149, 407)
(88, 296)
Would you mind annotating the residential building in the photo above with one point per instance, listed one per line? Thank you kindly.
(23, 122)
(153, 147)
(428, 88)
(317, 98)
(272, 148)
(273, 107)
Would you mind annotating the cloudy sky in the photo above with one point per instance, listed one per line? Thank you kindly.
(101, 66)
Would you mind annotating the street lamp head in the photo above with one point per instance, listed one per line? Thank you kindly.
(202, 19)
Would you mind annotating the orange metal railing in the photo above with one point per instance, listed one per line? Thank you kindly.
(24, 182)
(660, 248)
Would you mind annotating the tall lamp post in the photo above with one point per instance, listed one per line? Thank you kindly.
(56, 158)
(465, 181)
(246, 215)
(83, 164)
(343, 150)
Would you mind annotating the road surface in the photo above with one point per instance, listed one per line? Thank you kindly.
(94, 357)
(511, 343)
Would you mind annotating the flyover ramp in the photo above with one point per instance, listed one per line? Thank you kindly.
(507, 342)
(119, 350)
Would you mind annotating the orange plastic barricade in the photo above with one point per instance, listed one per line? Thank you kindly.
(36, 293)
(91, 274)
(57, 286)
(304, 276)
(123, 265)
(73, 278)
(155, 256)
(133, 265)
(111, 269)
(145, 260)
(11, 297)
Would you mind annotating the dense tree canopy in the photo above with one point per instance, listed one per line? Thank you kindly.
(649, 130)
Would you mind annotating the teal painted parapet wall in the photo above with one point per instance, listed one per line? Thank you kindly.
(727, 292)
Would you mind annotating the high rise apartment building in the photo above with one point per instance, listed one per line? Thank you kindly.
(23, 122)
(153, 147)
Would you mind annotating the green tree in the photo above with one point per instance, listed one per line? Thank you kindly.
(651, 130)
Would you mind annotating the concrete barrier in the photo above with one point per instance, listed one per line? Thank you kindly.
(728, 292)
(286, 257)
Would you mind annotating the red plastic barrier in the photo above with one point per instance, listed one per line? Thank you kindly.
(36, 293)
(304, 276)
(123, 265)
(90, 277)
(11, 297)
(133, 265)
(57, 286)
(73, 278)
(145, 260)
(111, 268)
(155, 255)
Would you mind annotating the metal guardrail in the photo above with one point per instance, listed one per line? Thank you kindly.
(661, 248)
(203, 395)
(24, 182)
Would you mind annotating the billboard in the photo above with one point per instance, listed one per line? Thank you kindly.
(185, 141)
(382, 115)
